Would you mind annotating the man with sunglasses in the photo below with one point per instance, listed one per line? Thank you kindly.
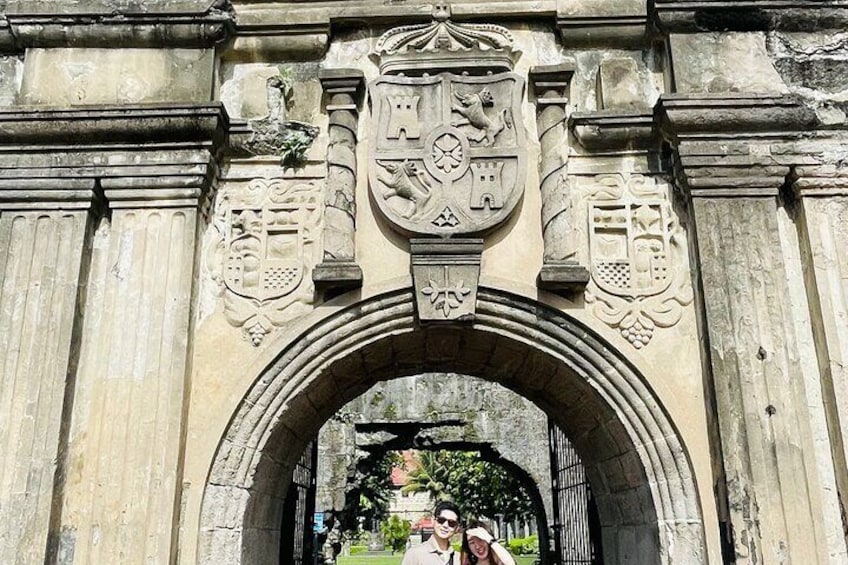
(437, 550)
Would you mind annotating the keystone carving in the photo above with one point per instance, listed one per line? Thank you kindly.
(637, 257)
(445, 274)
(265, 249)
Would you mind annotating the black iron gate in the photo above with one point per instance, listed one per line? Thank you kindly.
(296, 534)
(575, 528)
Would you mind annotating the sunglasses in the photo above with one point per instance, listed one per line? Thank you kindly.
(448, 521)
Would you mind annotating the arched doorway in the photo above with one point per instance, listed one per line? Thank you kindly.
(435, 411)
(636, 463)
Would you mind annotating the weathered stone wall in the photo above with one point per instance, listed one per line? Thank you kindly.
(434, 412)
(186, 210)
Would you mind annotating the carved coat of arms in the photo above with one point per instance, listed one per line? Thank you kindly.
(637, 257)
(265, 249)
(264, 253)
(629, 246)
(447, 151)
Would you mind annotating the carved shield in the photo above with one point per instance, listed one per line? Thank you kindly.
(629, 246)
(264, 253)
(447, 151)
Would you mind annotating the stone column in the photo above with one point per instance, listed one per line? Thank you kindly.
(343, 92)
(126, 438)
(44, 227)
(822, 209)
(121, 485)
(560, 270)
(770, 417)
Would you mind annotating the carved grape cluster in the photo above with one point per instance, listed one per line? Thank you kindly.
(638, 334)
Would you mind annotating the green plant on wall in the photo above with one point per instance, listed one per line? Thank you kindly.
(274, 134)
(285, 80)
(293, 147)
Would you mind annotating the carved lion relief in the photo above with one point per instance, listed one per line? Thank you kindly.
(264, 252)
(637, 257)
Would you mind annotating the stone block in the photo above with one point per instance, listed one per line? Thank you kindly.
(623, 85)
(724, 62)
(10, 76)
(78, 76)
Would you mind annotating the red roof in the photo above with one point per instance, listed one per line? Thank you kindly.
(400, 474)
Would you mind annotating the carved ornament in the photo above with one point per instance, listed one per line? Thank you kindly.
(265, 249)
(447, 153)
(443, 44)
(445, 274)
(637, 257)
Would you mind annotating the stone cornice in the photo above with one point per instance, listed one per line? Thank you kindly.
(610, 130)
(137, 156)
(730, 145)
(302, 29)
(688, 16)
(820, 180)
(724, 116)
(142, 123)
(96, 23)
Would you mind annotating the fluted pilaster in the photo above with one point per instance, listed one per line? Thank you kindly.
(132, 383)
(730, 156)
(99, 435)
(41, 268)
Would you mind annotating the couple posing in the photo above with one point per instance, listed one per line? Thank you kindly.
(478, 545)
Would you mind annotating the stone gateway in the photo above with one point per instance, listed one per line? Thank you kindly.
(224, 221)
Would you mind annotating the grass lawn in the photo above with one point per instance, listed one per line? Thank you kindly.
(386, 559)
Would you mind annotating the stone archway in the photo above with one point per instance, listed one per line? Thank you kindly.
(436, 411)
(637, 465)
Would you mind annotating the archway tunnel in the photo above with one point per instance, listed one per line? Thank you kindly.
(509, 436)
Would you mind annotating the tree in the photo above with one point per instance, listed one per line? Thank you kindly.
(395, 533)
(432, 475)
(369, 493)
(480, 488)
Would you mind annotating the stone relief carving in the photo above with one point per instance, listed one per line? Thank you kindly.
(265, 248)
(447, 152)
(447, 44)
(445, 274)
(637, 254)
(446, 157)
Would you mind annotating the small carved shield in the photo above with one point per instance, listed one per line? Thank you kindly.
(447, 151)
(264, 252)
(629, 246)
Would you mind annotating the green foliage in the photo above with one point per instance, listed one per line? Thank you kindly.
(286, 81)
(395, 533)
(357, 549)
(375, 488)
(524, 546)
(293, 147)
(432, 475)
(479, 488)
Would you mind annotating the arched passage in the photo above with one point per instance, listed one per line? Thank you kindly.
(637, 465)
(434, 411)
